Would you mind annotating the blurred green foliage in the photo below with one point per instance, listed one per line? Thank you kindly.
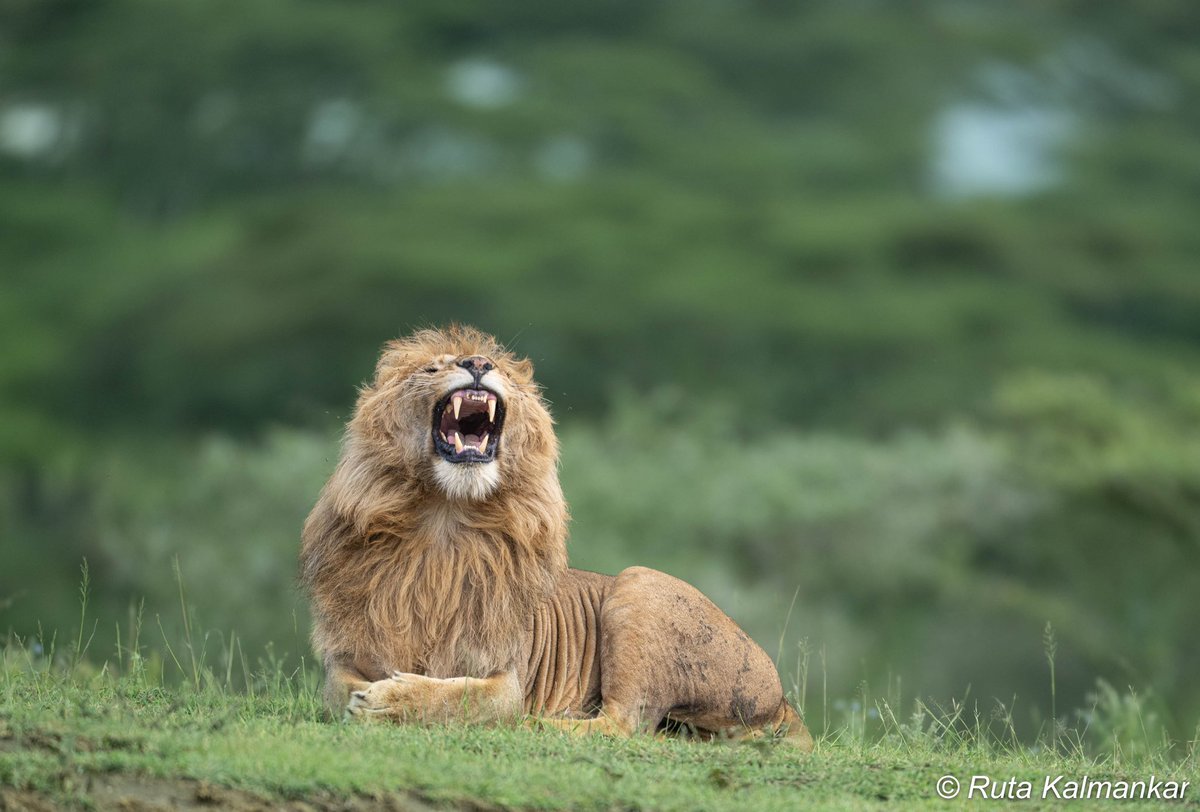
(782, 353)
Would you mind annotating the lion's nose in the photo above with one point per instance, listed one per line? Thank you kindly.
(476, 362)
(477, 365)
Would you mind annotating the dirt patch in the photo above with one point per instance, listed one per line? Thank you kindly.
(132, 793)
(24, 802)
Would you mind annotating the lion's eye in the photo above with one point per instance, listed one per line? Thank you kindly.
(430, 369)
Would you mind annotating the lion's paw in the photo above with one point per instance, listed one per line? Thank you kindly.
(400, 696)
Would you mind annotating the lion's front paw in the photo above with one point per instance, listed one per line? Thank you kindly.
(401, 696)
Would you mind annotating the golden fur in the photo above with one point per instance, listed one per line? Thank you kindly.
(436, 586)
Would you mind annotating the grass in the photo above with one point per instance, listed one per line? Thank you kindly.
(81, 737)
(182, 725)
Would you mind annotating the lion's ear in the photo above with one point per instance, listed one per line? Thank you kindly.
(391, 358)
(522, 370)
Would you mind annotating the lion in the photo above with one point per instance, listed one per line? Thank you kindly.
(436, 565)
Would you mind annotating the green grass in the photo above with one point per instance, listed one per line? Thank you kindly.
(190, 723)
(82, 737)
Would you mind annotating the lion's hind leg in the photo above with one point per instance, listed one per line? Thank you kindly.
(790, 728)
(669, 656)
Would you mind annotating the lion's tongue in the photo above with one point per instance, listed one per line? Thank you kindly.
(463, 441)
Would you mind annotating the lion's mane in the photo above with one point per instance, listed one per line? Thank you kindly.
(401, 574)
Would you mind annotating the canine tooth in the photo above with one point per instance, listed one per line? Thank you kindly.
(457, 405)
(483, 443)
(458, 446)
(491, 411)
(444, 437)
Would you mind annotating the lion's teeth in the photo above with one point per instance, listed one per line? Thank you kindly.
(444, 437)
(483, 443)
(457, 405)
(458, 445)
(491, 412)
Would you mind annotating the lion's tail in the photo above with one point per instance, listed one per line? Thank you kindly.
(789, 727)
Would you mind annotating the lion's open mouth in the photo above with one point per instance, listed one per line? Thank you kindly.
(466, 425)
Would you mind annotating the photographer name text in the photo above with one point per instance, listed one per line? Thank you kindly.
(1061, 787)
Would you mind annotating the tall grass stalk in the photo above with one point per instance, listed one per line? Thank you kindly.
(800, 689)
(783, 632)
(187, 624)
(85, 589)
(1050, 647)
(229, 660)
(824, 693)
(169, 647)
(137, 666)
